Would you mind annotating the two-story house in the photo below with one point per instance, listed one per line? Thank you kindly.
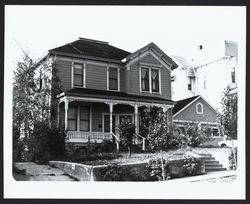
(102, 85)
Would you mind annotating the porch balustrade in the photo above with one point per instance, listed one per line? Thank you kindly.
(83, 137)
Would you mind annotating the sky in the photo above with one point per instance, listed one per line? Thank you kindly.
(176, 30)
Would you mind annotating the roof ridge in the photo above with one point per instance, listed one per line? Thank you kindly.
(92, 40)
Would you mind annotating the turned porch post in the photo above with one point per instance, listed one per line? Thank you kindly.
(58, 114)
(66, 107)
(136, 119)
(110, 117)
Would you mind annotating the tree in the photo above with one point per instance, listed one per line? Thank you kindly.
(127, 130)
(228, 118)
(160, 137)
(32, 99)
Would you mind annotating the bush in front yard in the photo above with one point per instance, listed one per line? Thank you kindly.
(190, 166)
(47, 142)
(232, 165)
(113, 172)
(154, 168)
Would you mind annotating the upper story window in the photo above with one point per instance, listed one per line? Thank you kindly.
(155, 80)
(199, 108)
(189, 84)
(113, 78)
(144, 79)
(78, 75)
(150, 80)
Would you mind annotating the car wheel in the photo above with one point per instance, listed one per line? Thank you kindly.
(223, 145)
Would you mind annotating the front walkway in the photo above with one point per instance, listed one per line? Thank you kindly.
(35, 172)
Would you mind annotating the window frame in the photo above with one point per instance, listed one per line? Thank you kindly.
(197, 108)
(88, 109)
(76, 118)
(73, 74)
(118, 78)
(150, 68)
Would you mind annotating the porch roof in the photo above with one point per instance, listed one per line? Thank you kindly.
(115, 95)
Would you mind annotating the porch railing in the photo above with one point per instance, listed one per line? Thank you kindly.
(84, 137)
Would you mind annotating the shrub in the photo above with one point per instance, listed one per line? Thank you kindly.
(196, 135)
(112, 172)
(190, 165)
(232, 165)
(154, 168)
(47, 142)
(127, 130)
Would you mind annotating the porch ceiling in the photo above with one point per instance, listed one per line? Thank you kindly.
(114, 95)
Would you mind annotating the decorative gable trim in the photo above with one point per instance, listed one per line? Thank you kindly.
(145, 53)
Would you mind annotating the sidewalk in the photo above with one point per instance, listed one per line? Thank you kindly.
(226, 176)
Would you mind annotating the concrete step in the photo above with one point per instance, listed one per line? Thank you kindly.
(213, 165)
(210, 169)
(211, 162)
(208, 158)
(206, 155)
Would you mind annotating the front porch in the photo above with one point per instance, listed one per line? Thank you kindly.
(92, 119)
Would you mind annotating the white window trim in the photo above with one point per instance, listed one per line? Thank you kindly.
(201, 108)
(150, 67)
(118, 78)
(72, 75)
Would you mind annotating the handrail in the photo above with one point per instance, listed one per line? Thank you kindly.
(143, 140)
(117, 140)
(137, 135)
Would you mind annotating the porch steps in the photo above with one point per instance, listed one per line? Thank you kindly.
(211, 164)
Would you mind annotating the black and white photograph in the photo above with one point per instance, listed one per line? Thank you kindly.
(124, 102)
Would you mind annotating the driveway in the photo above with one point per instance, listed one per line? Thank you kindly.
(35, 172)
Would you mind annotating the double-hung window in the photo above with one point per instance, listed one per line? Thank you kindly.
(150, 80)
(113, 78)
(84, 118)
(72, 118)
(155, 80)
(78, 75)
(144, 79)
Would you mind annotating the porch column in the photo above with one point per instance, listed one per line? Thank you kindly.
(58, 114)
(110, 117)
(136, 119)
(66, 107)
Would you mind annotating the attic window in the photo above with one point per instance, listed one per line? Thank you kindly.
(199, 108)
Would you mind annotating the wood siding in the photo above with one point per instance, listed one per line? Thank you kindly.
(64, 73)
(209, 114)
(96, 77)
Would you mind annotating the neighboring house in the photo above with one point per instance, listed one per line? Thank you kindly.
(102, 85)
(213, 68)
(196, 110)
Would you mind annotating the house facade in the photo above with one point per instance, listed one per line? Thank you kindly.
(101, 86)
(212, 69)
(196, 110)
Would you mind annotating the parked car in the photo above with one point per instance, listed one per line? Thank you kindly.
(228, 143)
